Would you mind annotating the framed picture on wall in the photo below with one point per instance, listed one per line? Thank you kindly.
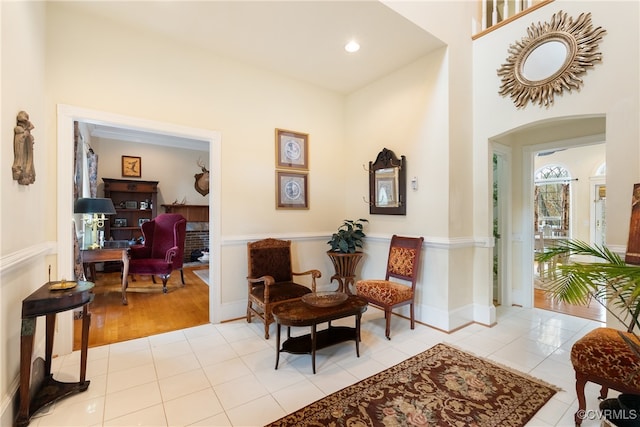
(292, 149)
(292, 190)
(131, 166)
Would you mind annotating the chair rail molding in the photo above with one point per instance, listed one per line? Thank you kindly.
(26, 255)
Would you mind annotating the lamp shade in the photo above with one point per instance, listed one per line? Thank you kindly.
(94, 205)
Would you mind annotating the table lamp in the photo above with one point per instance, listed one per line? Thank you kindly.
(96, 209)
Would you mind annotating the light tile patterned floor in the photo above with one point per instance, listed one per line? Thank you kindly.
(223, 375)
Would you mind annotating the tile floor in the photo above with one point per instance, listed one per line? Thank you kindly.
(223, 375)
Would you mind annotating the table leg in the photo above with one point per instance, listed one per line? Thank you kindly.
(277, 344)
(125, 275)
(86, 321)
(358, 318)
(313, 347)
(26, 350)
(51, 328)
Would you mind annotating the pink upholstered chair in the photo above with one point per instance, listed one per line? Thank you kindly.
(163, 248)
(403, 263)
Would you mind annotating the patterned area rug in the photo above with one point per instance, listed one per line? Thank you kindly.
(442, 386)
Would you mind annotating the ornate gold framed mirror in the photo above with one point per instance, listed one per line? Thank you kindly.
(388, 184)
(550, 59)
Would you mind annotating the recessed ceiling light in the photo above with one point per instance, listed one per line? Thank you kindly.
(352, 46)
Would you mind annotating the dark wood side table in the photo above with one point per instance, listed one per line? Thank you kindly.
(299, 313)
(110, 254)
(43, 389)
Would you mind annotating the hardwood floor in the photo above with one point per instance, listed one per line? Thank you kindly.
(593, 311)
(149, 311)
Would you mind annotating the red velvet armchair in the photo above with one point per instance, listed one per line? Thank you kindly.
(163, 248)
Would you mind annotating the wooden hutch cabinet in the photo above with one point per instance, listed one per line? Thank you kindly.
(135, 202)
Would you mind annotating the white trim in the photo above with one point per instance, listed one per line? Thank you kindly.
(505, 201)
(23, 256)
(429, 242)
(66, 116)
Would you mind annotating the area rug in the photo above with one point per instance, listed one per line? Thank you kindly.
(443, 386)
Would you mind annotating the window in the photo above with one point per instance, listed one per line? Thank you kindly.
(551, 200)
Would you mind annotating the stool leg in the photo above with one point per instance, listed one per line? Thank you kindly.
(581, 381)
(604, 391)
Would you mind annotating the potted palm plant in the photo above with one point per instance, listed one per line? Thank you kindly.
(614, 284)
(345, 253)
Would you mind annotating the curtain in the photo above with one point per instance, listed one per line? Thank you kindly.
(565, 208)
(85, 183)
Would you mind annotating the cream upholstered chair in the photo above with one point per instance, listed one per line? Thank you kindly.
(270, 279)
(403, 264)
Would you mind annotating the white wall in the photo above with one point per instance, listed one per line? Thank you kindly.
(189, 87)
(24, 223)
(173, 168)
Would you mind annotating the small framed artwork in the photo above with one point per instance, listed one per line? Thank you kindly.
(142, 221)
(120, 222)
(292, 190)
(292, 149)
(130, 204)
(131, 166)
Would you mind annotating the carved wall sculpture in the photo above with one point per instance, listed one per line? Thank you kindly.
(23, 170)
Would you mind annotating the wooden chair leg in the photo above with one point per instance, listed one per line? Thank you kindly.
(164, 283)
(413, 317)
(387, 331)
(182, 276)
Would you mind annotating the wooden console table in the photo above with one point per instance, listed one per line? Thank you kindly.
(299, 313)
(110, 254)
(43, 389)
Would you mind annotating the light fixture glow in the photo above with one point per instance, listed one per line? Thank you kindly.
(352, 46)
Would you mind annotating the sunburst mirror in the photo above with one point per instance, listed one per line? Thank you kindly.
(550, 59)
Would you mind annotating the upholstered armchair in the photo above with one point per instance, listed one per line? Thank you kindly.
(270, 279)
(163, 248)
(389, 293)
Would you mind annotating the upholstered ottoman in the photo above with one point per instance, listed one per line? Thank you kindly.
(604, 358)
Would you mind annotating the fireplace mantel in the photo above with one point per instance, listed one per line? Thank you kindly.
(193, 213)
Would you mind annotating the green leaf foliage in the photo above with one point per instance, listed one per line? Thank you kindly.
(349, 236)
(607, 279)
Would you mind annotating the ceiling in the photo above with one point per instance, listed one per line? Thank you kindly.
(300, 39)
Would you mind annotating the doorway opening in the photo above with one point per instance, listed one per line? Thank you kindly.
(66, 117)
(513, 213)
(564, 207)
